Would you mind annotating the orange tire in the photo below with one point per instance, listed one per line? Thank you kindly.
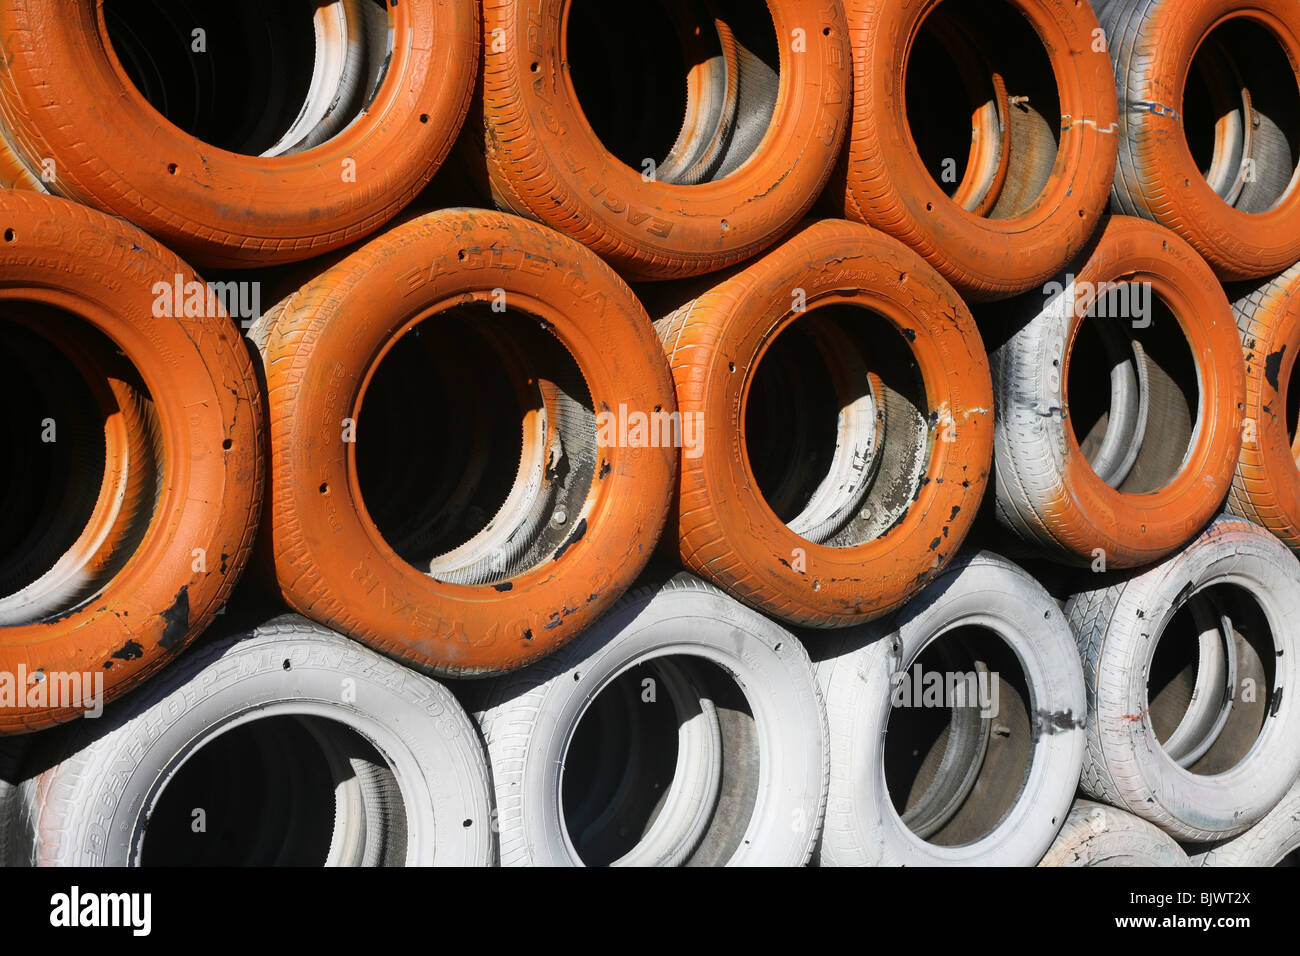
(1118, 428)
(160, 571)
(1266, 487)
(1223, 75)
(1061, 161)
(843, 334)
(282, 183)
(560, 517)
(729, 186)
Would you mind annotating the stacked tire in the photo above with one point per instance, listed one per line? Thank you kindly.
(672, 436)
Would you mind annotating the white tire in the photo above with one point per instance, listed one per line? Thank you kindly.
(530, 718)
(397, 771)
(1269, 842)
(1118, 629)
(860, 670)
(1098, 835)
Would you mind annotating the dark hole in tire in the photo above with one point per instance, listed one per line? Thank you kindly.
(959, 741)
(247, 76)
(1233, 704)
(1241, 115)
(964, 54)
(475, 436)
(638, 68)
(837, 425)
(624, 769)
(266, 794)
(58, 489)
(1137, 428)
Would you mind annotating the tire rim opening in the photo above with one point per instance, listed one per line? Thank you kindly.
(1241, 115)
(476, 446)
(1138, 430)
(662, 768)
(637, 68)
(991, 148)
(254, 78)
(80, 488)
(1292, 402)
(280, 791)
(959, 740)
(837, 426)
(1210, 683)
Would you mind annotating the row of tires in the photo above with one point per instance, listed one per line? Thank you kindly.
(457, 476)
(140, 113)
(686, 729)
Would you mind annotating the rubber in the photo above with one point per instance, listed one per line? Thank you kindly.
(1047, 492)
(1266, 486)
(287, 666)
(1268, 843)
(857, 670)
(908, 520)
(320, 349)
(65, 96)
(544, 160)
(886, 185)
(1097, 835)
(210, 431)
(528, 719)
(1124, 765)
(1153, 43)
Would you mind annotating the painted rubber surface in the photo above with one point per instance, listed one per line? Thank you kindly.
(209, 413)
(65, 95)
(911, 519)
(1125, 764)
(1047, 492)
(1273, 841)
(545, 161)
(430, 762)
(1266, 487)
(888, 187)
(858, 669)
(1098, 835)
(333, 564)
(529, 719)
(1153, 43)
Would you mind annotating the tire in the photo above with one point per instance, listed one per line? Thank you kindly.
(1140, 491)
(389, 772)
(1273, 841)
(188, 545)
(1255, 582)
(1244, 228)
(1097, 835)
(889, 512)
(732, 183)
(982, 822)
(578, 511)
(1048, 201)
(1266, 487)
(529, 719)
(67, 94)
